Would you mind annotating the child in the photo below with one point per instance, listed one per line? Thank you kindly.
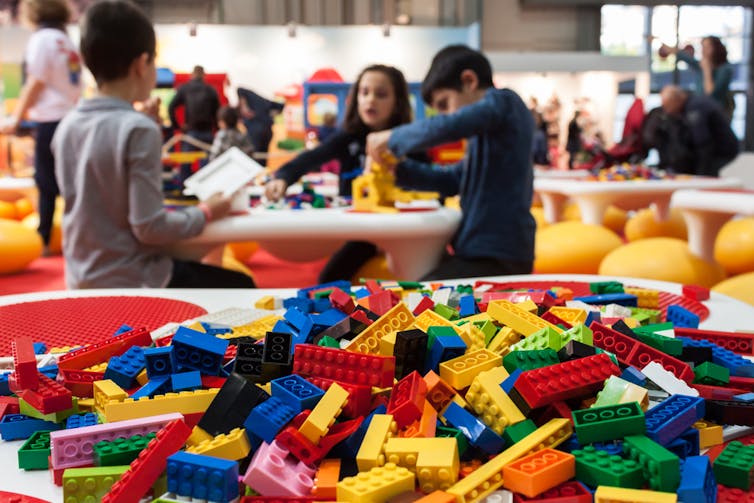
(496, 235)
(378, 100)
(108, 166)
(229, 134)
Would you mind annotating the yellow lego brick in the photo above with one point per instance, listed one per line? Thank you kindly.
(86, 405)
(607, 494)
(256, 329)
(491, 403)
(372, 450)
(185, 402)
(324, 414)
(106, 391)
(378, 484)
(267, 387)
(710, 434)
(503, 340)
(477, 318)
(572, 315)
(521, 321)
(387, 344)
(429, 318)
(397, 319)
(142, 378)
(529, 306)
(631, 322)
(233, 445)
(644, 297)
(475, 337)
(197, 326)
(198, 436)
(63, 349)
(461, 371)
(100, 367)
(489, 477)
(266, 302)
(434, 460)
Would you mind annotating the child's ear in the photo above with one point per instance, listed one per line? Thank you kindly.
(469, 80)
(141, 64)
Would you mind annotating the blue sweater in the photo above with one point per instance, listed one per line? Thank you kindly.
(494, 180)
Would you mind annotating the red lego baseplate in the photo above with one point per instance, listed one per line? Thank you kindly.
(85, 320)
(6, 497)
(578, 288)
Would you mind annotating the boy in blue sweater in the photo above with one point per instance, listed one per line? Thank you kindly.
(494, 180)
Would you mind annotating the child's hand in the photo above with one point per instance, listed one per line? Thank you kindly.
(218, 205)
(275, 189)
(377, 147)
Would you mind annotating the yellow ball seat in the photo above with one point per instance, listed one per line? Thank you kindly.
(739, 287)
(734, 246)
(573, 247)
(19, 246)
(644, 225)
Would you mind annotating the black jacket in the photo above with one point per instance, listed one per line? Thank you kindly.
(201, 105)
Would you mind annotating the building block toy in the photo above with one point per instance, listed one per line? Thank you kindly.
(48, 397)
(435, 461)
(372, 450)
(491, 403)
(695, 292)
(710, 434)
(106, 391)
(666, 381)
(231, 406)
(617, 390)
(120, 451)
(667, 420)
(156, 386)
(359, 397)
(195, 350)
(539, 471)
(516, 318)
(202, 477)
(25, 373)
(461, 371)
(476, 431)
(186, 381)
(645, 297)
(81, 420)
(159, 361)
(607, 494)
(596, 468)
(307, 452)
(185, 402)
(277, 355)
(697, 481)
(734, 467)
(90, 484)
(123, 369)
(102, 351)
(681, 317)
(397, 319)
(35, 451)
(234, 446)
(274, 472)
(410, 351)
(429, 318)
(530, 359)
(444, 348)
(737, 365)
(660, 467)
(326, 479)
(407, 399)
(425, 426)
(621, 299)
(268, 418)
(324, 414)
(737, 342)
(610, 422)
(20, 426)
(152, 461)
(378, 484)
(346, 366)
(567, 492)
(55, 417)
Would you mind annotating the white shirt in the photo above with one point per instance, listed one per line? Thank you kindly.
(52, 58)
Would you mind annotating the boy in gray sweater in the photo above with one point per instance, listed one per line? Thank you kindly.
(109, 170)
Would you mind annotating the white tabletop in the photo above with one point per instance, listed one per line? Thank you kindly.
(725, 314)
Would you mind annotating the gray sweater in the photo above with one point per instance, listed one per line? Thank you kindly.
(108, 168)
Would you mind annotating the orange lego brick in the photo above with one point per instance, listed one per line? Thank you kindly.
(425, 427)
(437, 497)
(539, 471)
(326, 479)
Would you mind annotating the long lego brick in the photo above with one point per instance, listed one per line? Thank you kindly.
(737, 342)
(731, 412)
(49, 396)
(345, 366)
(102, 351)
(185, 402)
(368, 341)
(491, 403)
(565, 380)
(746, 383)
(519, 320)
(489, 477)
(24, 374)
(607, 494)
(737, 365)
(632, 352)
(667, 420)
(147, 468)
(72, 448)
(359, 397)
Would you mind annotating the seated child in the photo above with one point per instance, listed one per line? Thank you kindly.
(494, 180)
(108, 167)
(229, 135)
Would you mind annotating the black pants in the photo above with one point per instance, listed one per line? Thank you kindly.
(452, 266)
(198, 275)
(206, 137)
(44, 177)
(346, 262)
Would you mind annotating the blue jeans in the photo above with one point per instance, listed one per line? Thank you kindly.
(44, 177)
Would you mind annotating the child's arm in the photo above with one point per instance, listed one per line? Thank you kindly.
(217, 146)
(311, 160)
(431, 177)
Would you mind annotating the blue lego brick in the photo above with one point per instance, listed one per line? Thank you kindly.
(744, 397)
(215, 328)
(686, 445)
(282, 327)
(681, 317)
(305, 305)
(592, 316)
(159, 361)
(156, 386)
(122, 329)
(329, 317)
(667, 420)
(50, 371)
(622, 299)
(342, 284)
(20, 426)
(296, 392)
(635, 376)
(40, 348)
(186, 381)
(510, 381)
(614, 448)
(198, 351)
(697, 481)
(321, 305)
(349, 448)
(737, 365)
(123, 369)
(301, 322)
(477, 432)
(81, 420)
(268, 418)
(202, 477)
(4, 387)
(570, 444)
(444, 348)
(467, 306)
(361, 293)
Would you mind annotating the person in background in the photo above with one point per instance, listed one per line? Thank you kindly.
(714, 73)
(229, 135)
(52, 72)
(108, 164)
(540, 151)
(328, 127)
(378, 100)
(573, 143)
(494, 181)
(713, 142)
(257, 115)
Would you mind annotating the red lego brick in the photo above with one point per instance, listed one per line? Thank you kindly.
(49, 397)
(571, 379)
(11, 402)
(147, 468)
(407, 399)
(373, 286)
(554, 410)
(4, 409)
(731, 495)
(695, 292)
(345, 366)
(737, 342)
(342, 301)
(80, 382)
(746, 383)
(567, 492)
(361, 316)
(303, 449)
(424, 304)
(381, 302)
(359, 397)
(555, 320)
(25, 373)
(230, 353)
(102, 351)
(6, 497)
(213, 381)
(710, 392)
(632, 352)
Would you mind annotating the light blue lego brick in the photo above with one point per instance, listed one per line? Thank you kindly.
(198, 351)
(202, 477)
(40, 348)
(744, 397)
(476, 431)
(361, 293)
(296, 392)
(681, 317)
(186, 381)
(159, 361)
(268, 418)
(667, 420)
(697, 481)
(215, 328)
(468, 306)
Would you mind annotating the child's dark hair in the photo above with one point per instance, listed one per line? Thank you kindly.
(229, 116)
(447, 66)
(352, 123)
(719, 52)
(113, 34)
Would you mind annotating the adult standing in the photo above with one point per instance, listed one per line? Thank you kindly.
(52, 87)
(257, 116)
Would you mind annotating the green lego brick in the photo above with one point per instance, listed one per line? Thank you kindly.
(532, 359)
(121, 451)
(90, 484)
(711, 373)
(54, 417)
(602, 287)
(446, 312)
(410, 285)
(661, 467)
(446, 431)
(541, 339)
(328, 342)
(322, 294)
(734, 467)
(436, 331)
(35, 451)
(578, 332)
(489, 330)
(595, 467)
(465, 289)
(655, 327)
(667, 345)
(518, 431)
(609, 422)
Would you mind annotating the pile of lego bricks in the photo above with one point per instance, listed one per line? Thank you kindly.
(394, 392)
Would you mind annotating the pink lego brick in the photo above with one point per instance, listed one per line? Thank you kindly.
(274, 472)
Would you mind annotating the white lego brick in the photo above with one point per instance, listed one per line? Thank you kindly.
(667, 381)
